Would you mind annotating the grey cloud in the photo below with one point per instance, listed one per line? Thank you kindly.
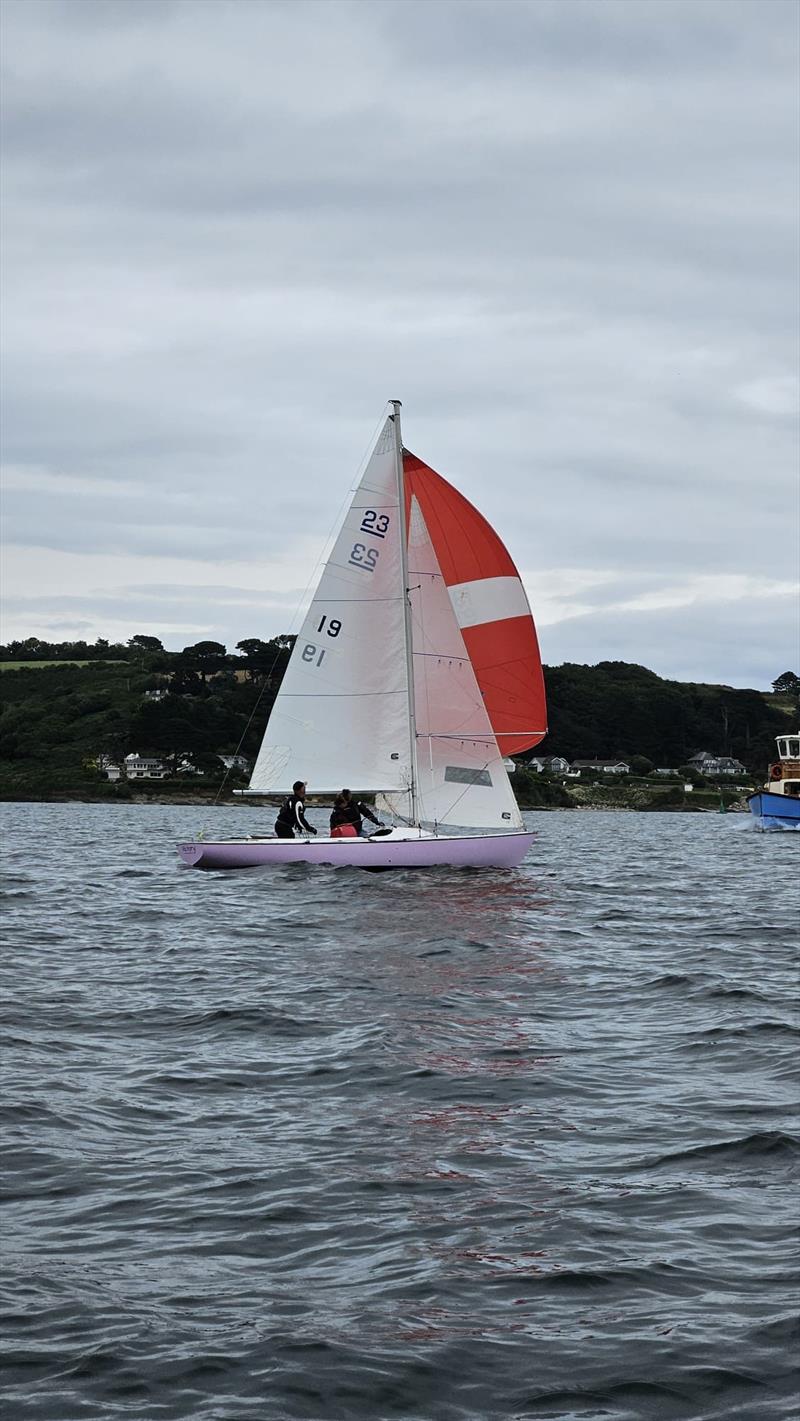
(740, 644)
(176, 615)
(565, 235)
(218, 530)
(616, 35)
(169, 599)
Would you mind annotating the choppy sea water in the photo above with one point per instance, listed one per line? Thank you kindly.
(313, 1144)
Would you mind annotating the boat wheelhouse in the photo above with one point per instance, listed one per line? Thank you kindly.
(777, 805)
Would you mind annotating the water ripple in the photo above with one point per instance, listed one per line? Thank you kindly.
(444, 1147)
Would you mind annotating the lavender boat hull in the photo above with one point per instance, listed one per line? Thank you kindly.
(406, 851)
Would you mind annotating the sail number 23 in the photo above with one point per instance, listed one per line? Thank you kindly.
(363, 558)
(375, 523)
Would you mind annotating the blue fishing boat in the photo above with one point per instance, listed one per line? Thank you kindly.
(777, 805)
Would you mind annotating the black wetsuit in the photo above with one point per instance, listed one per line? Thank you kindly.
(291, 816)
(351, 813)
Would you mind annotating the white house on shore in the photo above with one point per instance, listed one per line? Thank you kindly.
(235, 762)
(602, 767)
(708, 764)
(557, 765)
(144, 767)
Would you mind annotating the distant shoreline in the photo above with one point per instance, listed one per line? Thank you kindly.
(698, 806)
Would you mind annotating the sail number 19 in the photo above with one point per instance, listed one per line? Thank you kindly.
(332, 627)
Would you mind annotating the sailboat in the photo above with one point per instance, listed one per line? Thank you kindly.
(415, 675)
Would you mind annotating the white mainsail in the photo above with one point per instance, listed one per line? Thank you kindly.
(461, 776)
(341, 716)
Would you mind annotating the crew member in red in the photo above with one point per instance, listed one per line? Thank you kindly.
(346, 816)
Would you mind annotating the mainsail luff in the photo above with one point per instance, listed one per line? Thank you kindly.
(407, 635)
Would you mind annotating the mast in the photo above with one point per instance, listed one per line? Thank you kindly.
(401, 495)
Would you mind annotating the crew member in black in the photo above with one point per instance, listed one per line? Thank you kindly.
(347, 810)
(292, 813)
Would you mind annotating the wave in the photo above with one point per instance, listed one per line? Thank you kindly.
(736, 994)
(670, 979)
(752, 1028)
(775, 1145)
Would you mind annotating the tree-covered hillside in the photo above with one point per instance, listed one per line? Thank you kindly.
(70, 703)
(619, 709)
(58, 717)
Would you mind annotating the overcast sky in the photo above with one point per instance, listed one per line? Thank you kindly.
(563, 232)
